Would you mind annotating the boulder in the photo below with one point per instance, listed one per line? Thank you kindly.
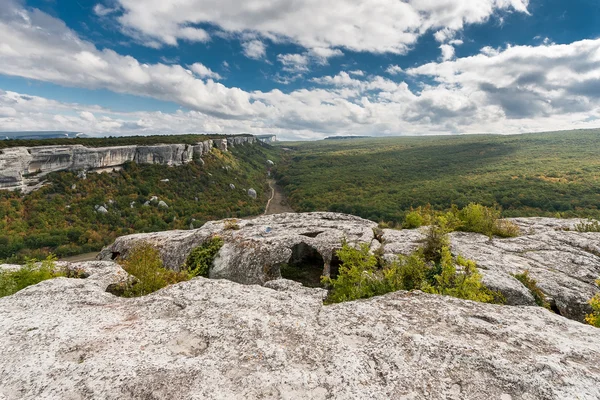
(101, 209)
(216, 339)
(231, 186)
(252, 193)
(162, 204)
(270, 163)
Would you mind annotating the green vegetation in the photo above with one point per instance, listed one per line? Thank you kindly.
(594, 318)
(200, 258)
(547, 174)
(432, 270)
(589, 226)
(113, 140)
(11, 281)
(144, 263)
(531, 284)
(61, 217)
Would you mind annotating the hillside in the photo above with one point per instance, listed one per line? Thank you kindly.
(65, 217)
(546, 174)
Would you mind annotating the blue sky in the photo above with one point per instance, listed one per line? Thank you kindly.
(299, 69)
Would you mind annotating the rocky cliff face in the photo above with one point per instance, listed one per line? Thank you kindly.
(565, 263)
(216, 339)
(22, 167)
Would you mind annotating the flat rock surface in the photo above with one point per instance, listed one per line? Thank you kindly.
(216, 339)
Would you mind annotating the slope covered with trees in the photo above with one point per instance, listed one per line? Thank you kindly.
(64, 217)
(546, 174)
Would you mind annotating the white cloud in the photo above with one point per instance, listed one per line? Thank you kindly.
(193, 34)
(294, 62)
(204, 72)
(516, 89)
(447, 52)
(102, 11)
(371, 25)
(254, 49)
(357, 72)
(394, 70)
(323, 54)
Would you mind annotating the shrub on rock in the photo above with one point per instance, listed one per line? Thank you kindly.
(200, 259)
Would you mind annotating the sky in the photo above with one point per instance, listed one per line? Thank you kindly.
(299, 69)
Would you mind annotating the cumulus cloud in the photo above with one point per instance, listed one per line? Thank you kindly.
(254, 49)
(371, 25)
(394, 70)
(27, 36)
(505, 90)
(447, 52)
(294, 62)
(204, 72)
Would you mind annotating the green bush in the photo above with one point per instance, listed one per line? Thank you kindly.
(145, 265)
(200, 259)
(531, 284)
(30, 274)
(594, 318)
(485, 220)
(359, 277)
(464, 284)
(589, 226)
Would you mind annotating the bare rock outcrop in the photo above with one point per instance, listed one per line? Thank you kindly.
(564, 263)
(216, 339)
(22, 167)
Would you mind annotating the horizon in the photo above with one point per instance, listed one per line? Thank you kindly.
(379, 68)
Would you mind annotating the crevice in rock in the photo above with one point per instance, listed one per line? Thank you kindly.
(114, 255)
(311, 234)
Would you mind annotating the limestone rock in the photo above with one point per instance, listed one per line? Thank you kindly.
(252, 193)
(215, 339)
(102, 210)
(564, 263)
(231, 186)
(270, 163)
(19, 162)
(162, 204)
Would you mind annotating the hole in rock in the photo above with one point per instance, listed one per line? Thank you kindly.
(115, 255)
(554, 308)
(311, 234)
(305, 266)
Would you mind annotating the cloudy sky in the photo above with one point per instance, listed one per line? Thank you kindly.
(301, 69)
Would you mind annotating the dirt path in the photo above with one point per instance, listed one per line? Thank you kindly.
(277, 204)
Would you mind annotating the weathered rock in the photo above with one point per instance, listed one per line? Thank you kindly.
(102, 210)
(564, 263)
(207, 339)
(270, 163)
(253, 253)
(252, 193)
(231, 186)
(240, 140)
(19, 162)
(162, 204)
(221, 144)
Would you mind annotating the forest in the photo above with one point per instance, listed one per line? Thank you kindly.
(553, 174)
(65, 218)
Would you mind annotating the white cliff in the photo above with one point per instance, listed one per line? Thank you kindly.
(22, 167)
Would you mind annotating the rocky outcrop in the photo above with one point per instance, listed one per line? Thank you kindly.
(22, 167)
(564, 263)
(216, 339)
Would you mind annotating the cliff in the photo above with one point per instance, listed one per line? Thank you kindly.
(22, 167)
